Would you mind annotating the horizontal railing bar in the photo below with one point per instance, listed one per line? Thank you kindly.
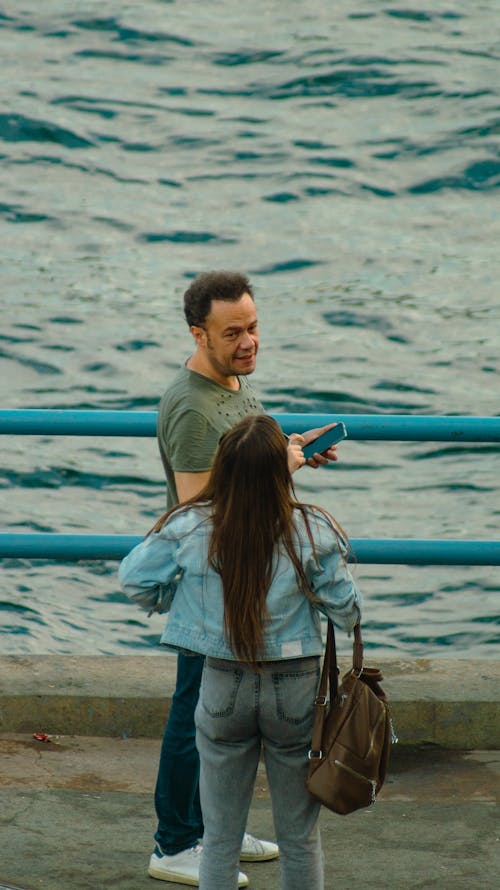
(71, 547)
(62, 422)
(386, 427)
(425, 552)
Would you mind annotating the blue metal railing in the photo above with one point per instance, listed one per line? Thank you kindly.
(388, 427)
(386, 552)
(395, 427)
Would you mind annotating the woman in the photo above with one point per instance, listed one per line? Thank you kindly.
(245, 570)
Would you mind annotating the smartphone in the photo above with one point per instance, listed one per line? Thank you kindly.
(331, 437)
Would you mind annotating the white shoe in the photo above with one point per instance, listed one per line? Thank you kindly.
(255, 850)
(182, 868)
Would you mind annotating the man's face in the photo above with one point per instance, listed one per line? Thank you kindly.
(230, 337)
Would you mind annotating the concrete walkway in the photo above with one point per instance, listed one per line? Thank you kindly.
(451, 703)
(76, 813)
(76, 810)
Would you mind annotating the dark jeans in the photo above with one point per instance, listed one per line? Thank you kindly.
(177, 795)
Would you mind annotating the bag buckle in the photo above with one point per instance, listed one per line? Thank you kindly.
(321, 700)
(315, 755)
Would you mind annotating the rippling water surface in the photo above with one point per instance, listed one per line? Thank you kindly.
(345, 156)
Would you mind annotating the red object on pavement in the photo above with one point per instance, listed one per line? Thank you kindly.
(41, 737)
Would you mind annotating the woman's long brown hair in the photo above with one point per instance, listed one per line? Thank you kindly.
(252, 501)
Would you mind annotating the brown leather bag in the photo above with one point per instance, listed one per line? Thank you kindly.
(352, 733)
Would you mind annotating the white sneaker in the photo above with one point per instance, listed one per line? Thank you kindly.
(255, 850)
(182, 868)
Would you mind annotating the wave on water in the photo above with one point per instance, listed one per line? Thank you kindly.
(481, 175)
(18, 128)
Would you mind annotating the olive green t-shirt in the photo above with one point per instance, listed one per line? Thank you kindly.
(194, 413)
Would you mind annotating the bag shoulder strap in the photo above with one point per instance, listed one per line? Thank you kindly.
(357, 651)
(331, 657)
(329, 684)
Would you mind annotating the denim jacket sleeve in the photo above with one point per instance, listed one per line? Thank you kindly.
(148, 574)
(338, 596)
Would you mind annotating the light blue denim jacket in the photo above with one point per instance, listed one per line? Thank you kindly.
(169, 572)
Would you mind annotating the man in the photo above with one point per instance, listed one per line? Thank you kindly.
(208, 396)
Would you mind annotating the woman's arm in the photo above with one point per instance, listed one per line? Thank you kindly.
(341, 601)
(338, 596)
(148, 574)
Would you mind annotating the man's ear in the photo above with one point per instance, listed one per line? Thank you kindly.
(199, 335)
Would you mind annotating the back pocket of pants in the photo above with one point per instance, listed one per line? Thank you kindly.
(295, 692)
(219, 689)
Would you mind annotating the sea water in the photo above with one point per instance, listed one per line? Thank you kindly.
(346, 157)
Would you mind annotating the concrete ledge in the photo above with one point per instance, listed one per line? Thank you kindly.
(450, 703)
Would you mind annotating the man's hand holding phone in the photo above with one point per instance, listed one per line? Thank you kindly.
(320, 443)
(296, 457)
